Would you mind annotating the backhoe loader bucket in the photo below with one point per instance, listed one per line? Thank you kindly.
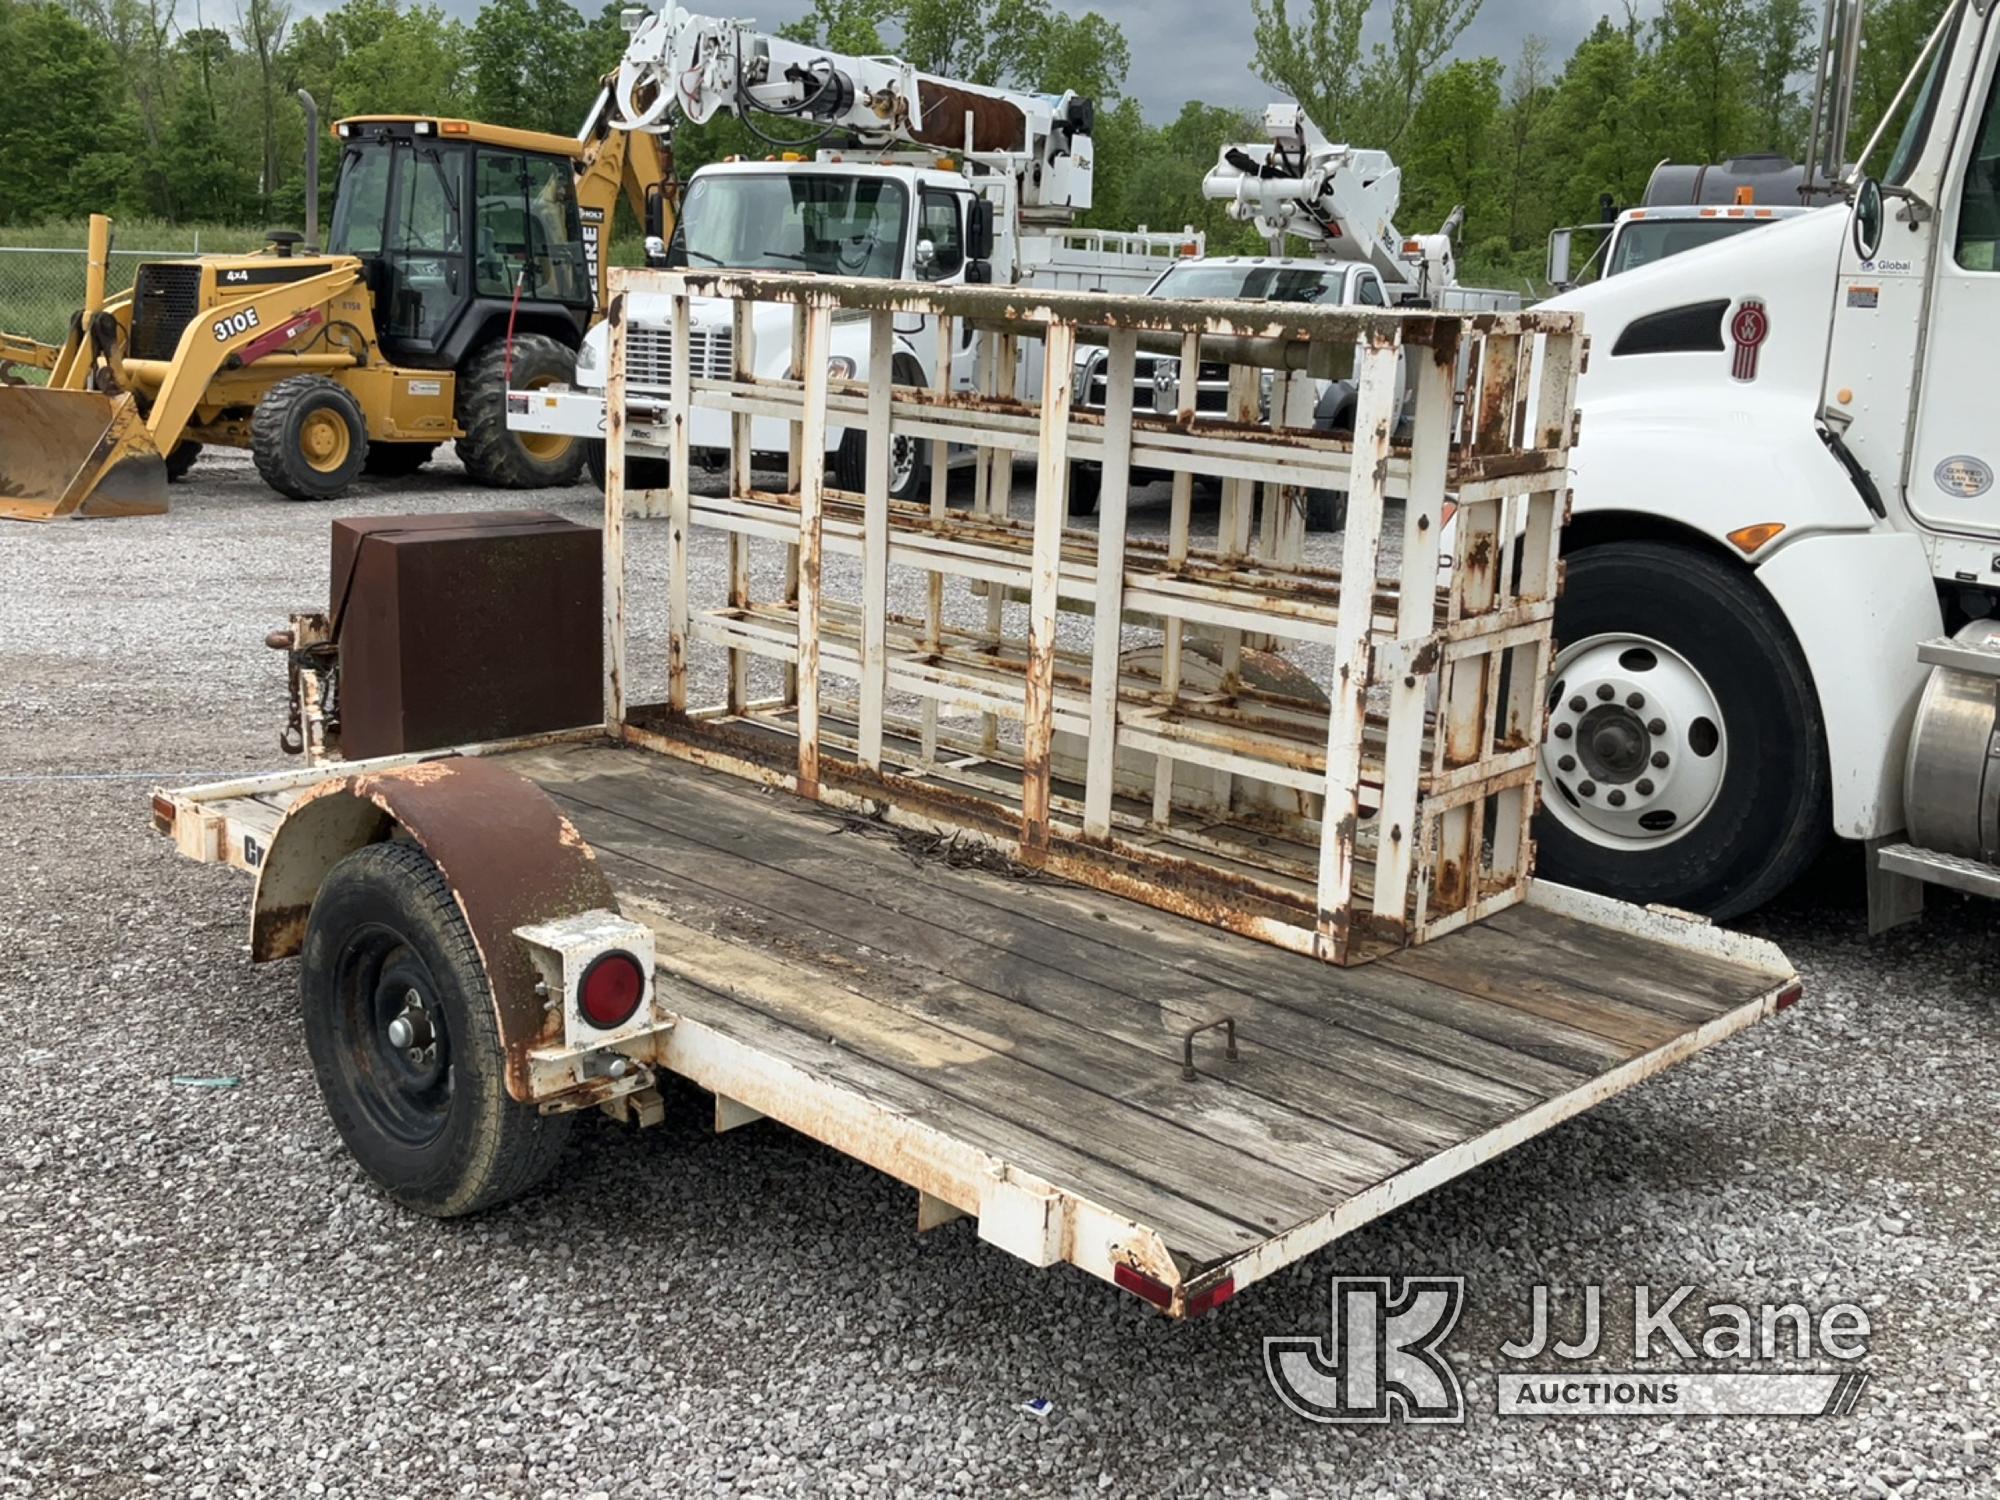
(65, 453)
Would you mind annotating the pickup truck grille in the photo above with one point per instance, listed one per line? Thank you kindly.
(649, 360)
(1211, 399)
(165, 298)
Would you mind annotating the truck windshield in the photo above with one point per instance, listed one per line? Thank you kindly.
(836, 224)
(1251, 283)
(1643, 241)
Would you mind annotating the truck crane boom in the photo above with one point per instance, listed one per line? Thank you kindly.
(680, 64)
(1341, 199)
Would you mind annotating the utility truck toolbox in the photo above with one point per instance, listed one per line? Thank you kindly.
(1141, 944)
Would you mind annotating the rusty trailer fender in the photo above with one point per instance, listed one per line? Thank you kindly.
(509, 855)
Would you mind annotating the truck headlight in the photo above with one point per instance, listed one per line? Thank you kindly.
(586, 357)
(840, 367)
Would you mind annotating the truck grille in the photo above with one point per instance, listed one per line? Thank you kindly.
(165, 298)
(649, 359)
(1211, 398)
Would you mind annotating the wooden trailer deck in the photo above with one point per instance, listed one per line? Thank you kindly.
(1012, 1045)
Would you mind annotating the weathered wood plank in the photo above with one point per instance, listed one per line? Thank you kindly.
(1372, 1053)
(1200, 1232)
(1125, 1065)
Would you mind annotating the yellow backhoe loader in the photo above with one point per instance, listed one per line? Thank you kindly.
(463, 260)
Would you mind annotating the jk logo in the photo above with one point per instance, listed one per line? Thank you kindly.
(1382, 1361)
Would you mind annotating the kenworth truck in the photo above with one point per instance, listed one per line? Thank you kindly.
(1784, 512)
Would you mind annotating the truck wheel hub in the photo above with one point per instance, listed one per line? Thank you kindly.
(902, 463)
(1635, 751)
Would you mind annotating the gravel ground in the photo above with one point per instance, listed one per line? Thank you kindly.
(201, 1296)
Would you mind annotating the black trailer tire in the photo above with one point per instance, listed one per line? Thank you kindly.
(640, 473)
(431, 1122)
(910, 462)
(181, 460)
(397, 460)
(1768, 811)
(492, 453)
(309, 438)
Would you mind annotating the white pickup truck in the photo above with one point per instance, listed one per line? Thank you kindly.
(1315, 281)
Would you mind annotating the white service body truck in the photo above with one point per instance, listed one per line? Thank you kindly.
(1340, 201)
(1784, 499)
(983, 186)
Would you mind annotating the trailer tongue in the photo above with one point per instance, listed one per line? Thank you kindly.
(1171, 974)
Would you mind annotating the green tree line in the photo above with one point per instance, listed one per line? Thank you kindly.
(184, 111)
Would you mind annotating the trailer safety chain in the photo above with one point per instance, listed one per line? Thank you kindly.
(1228, 1026)
(321, 660)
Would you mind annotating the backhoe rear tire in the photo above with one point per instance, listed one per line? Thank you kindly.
(181, 460)
(397, 460)
(309, 438)
(493, 454)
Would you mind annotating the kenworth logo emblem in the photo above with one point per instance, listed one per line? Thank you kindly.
(1749, 328)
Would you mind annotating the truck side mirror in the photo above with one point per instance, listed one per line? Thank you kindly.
(1868, 216)
(979, 229)
(1559, 256)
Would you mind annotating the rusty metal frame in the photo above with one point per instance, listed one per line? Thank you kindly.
(1398, 804)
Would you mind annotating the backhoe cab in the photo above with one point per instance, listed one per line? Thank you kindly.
(463, 260)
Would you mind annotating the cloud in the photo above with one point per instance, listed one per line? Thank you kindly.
(1201, 49)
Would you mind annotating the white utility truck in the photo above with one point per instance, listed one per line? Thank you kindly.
(1338, 200)
(1149, 961)
(1784, 562)
(956, 184)
(1686, 207)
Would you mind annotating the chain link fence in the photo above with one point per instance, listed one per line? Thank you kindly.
(41, 288)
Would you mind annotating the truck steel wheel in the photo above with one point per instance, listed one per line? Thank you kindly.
(308, 437)
(399, 1023)
(1684, 760)
(909, 459)
(492, 452)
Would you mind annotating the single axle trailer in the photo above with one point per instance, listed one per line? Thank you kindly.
(1056, 928)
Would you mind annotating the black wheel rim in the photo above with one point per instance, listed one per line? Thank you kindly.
(394, 1049)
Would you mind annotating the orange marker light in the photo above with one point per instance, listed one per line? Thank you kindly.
(454, 127)
(1749, 539)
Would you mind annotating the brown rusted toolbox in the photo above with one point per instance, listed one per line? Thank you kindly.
(458, 628)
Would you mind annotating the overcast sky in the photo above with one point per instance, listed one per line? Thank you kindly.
(1200, 49)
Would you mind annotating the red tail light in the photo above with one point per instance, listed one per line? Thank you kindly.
(1162, 1296)
(1790, 995)
(612, 988)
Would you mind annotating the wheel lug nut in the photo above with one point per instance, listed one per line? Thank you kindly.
(1659, 760)
(1587, 789)
(1563, 731)
(1656, 726)
(1645, 787)
(1567, 763)
(1635, 700)
(1606, 692)
(1577, 704)
(1616, 799)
